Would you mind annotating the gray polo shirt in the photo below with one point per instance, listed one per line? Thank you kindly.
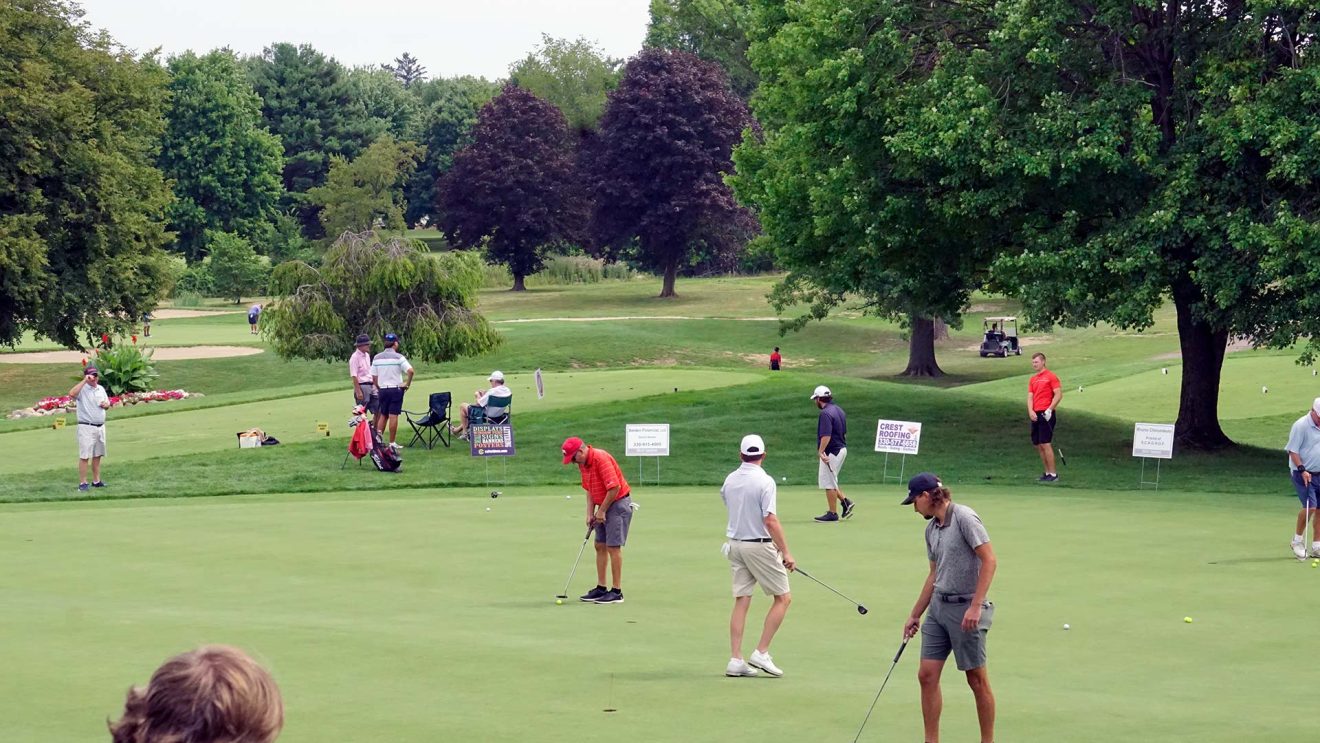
(89, 404)
(749, 494)
(1304, 439)
(952, 548)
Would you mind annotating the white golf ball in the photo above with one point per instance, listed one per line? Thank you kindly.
(1066, 627)
(568, 497)
(487, 508)
(784, 478)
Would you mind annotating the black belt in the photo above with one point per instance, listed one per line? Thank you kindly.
(956, 598)
(758, 539)
(85, 423)
(366, 384)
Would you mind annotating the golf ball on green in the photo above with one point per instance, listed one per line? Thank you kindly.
(1187, 620)
(1066, 627)
(559, 602)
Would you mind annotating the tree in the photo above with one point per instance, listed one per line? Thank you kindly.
(711, 29)
(664, 149)
(366, 285)
(307, 102)
(514, 187)
(574, 76)
(82, 204)
(224, 164)
(450, 111)
(851, 200)
(386, 106)
(367, 192)
(406, 69)
(235, 268)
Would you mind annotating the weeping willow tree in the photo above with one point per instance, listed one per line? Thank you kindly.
(374, 286)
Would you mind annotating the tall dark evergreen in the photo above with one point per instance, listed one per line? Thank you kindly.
(658, 169)
(406, 69)
(82, 203)
(513, 187)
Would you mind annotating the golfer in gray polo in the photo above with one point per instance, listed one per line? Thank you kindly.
(962, 564)
(757, 554)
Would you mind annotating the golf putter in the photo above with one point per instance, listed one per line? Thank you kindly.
(581, 549)
(897, 655)
(1057, 450)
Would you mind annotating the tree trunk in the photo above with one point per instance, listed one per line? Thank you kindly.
(671, 274)
(518, 283)
(1203, 361)
(921, 349)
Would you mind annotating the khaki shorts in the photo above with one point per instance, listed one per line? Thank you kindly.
(91, 441)
(757, 562)
(826, 479)
(942, 632)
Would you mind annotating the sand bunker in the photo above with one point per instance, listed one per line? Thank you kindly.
(161, 354)
(180, 314)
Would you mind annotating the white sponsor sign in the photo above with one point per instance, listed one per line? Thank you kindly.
(646, 440)
(1154, 440)
(897, 437)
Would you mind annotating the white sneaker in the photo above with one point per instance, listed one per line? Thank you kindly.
(762, 661)
(1315, 549)
(1298, 550)
(739, 667)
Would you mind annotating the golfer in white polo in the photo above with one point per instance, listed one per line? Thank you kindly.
(757, 553)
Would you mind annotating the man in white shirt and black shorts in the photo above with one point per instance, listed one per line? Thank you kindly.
(392, 375)
(757, 553)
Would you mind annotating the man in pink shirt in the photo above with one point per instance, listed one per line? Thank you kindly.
(359, 370)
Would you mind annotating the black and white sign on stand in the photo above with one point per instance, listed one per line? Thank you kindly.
(897, 437)
(1152, 441)
(646, 440)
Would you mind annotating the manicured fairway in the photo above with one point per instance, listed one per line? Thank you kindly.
(419, 616)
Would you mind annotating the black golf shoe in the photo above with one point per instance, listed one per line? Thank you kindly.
(828, 517)
(847, 508)
(593, 594)
(612, 596)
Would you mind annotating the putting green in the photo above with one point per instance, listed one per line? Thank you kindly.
(295, 419)
(421, 616)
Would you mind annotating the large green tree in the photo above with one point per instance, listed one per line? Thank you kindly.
(224, 164)
(374, 286)
(82, 204)
(236, 270)
(715, 30)
(306, 100)
(514, 188)
(367, 192)
(574, 76)
(385, 103)
(449, 111)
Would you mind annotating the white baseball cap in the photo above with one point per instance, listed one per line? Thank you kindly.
(821, 391)
(1316, 406)
(497, 376)
(752, 445)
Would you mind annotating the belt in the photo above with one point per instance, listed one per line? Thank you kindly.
(366, 384)
(758, 539)
(955, 598)
(85, 423)
(396, 387)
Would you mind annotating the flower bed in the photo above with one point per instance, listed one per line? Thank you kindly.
(62, 404)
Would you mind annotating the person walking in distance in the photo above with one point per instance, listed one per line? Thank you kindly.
(392, 375)
(831, 450)
(758, 554)
(1304, 461)
(962, 565)
(364, 385)
(92, 402)
(775, 359)
(1043, 395)
(609, 509)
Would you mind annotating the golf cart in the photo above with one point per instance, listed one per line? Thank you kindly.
(1001, 337)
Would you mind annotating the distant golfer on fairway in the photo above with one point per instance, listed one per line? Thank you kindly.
(758, 553)
(832, 449)
(1304, 459)
(609, 508)
(1043, 395)
(962, 564)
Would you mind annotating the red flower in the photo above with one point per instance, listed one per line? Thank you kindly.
(84, 361)
(105, 339)
(134, 337)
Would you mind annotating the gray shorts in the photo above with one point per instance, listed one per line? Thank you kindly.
(372, 403)
(614, 532)
(942, 631)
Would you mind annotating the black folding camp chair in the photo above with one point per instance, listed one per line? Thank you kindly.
(433, 425)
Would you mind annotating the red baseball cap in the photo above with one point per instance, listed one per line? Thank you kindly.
(571, 446)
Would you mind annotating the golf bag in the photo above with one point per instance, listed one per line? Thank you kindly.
(366, 442)
(382, 455)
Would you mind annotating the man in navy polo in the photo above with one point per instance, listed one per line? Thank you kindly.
(831, 449)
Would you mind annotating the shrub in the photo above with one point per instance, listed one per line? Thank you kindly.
(187, 299)
(196, 279)
(125, 367)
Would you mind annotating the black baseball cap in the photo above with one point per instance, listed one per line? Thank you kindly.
(920, 484)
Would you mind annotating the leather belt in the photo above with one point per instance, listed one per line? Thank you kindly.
(85, 423)
(758, 539)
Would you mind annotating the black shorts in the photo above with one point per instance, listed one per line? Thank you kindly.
(391, 400)
(1042, 431)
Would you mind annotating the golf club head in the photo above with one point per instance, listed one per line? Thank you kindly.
(861, 609)
(561, 595)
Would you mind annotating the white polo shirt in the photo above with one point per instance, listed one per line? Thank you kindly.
(388, 367)
(749, 494)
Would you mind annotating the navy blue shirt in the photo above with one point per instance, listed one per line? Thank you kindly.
(833, 423)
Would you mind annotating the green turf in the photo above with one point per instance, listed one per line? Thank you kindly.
(420, 616)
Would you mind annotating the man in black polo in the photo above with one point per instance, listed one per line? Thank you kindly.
(831, 449)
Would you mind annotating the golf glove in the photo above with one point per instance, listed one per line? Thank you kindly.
(1048, 414)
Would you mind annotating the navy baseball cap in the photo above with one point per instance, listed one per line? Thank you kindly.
(390, 337)
(920, 484)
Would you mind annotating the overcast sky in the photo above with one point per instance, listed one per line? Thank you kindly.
(449, 37)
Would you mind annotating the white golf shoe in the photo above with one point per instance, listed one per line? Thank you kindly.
(739, 667)
(1299, 551)
(762, 661)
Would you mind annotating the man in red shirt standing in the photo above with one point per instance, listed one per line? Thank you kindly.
(609, 508)
(1043, 395)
